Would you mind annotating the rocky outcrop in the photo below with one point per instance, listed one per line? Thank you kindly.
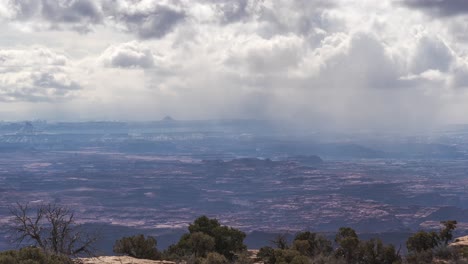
(460, 242)
(120, 260)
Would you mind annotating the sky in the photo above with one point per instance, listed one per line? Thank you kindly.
(366, 64)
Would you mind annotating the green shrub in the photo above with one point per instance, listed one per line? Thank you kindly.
(215, 258)
(207, 235)
(312, 244)
(285, 255)
(244, 258)
(328, 259)
(348, 244)
(6, 259)
(31, 255)
(420, 257)
(138, 247)
(201, 244)
(267, 255)
(300, 260)
(228, 240)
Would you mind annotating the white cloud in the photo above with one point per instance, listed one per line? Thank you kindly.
(128, 55)
(36, 74)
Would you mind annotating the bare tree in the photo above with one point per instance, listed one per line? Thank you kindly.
(52, 228)
(280, 241)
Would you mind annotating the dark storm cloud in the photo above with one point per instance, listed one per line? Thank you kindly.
(235, 11)
(80, 15)
(150, 22)
(147, 21)
(439, 7)
(123, 60)
(77, 11)
(71, 12)
(49, 80)
(232, 11)
(285, 18)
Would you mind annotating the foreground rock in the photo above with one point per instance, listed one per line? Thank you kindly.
(460, 242)
(120, 260)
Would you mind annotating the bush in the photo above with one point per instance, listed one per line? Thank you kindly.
(422, 241)
(207, 235)
(448, 253)
(419, 257)
(201, 244)
(215, 258)
(32, 255)
(285, 255)
(348, 244)
(312, 244)
(244, 258)
(374, 251)
(267, 255)
(228, 240)
(300, 260)
(329, 259)
(138, 247)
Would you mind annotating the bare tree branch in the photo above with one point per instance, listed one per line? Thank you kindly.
(52, 228)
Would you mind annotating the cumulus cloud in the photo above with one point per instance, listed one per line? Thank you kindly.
(361, 61)
(128, 55)
(265, 56)
(443, 8)
(37, 74)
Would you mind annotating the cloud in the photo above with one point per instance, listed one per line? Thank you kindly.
(443, 8)
(460, 76)
(350, 62)
(265, 56)
(233, 11)
(83, 11)
(128, 55)
(79, 15)
(431, 54)
(282, 17)
(146, 19)
(33, 75)
(368, 65)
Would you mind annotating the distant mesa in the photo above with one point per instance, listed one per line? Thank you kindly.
(168, 119)
(246, 162)
(251, 161)
(26, 129)
(308, 160)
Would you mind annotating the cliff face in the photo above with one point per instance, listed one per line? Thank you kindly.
(119, 260)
